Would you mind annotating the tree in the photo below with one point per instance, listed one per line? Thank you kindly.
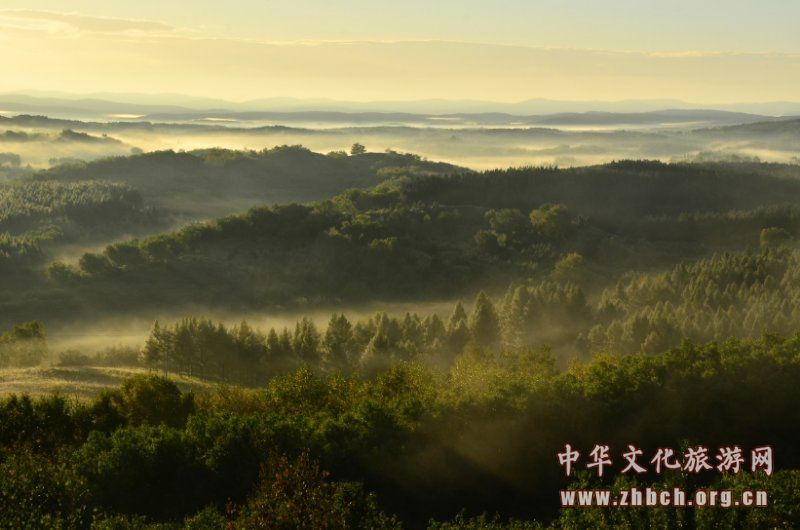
(285, 342)
(306, 340)
(299, 494)
(153, 400)
(515, 318)
(489, 242)
(24, 345)
(381, 349)
(457, 317)
(251, 350)
(357, 149)
(434, 330)
(412, 336)
(570, 268)
(457, 330)
(551, 221)
(273, 344)
(484, 324)
(338, 342)
(157, 347)
(508, 223)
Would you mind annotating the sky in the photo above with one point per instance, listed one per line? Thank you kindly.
(715, 51)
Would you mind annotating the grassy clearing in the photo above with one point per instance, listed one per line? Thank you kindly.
(81, 382)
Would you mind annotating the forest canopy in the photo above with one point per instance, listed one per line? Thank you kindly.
(632, 302)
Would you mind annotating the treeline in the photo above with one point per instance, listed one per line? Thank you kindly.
(33, 207)
(446, 235)
(216, 182)
(18, 256)
(282, 256)
(200, 347)
(39, 215)
(728, 295)
(130, 196)
(11, 166)
(481, 437)
(431, 237)
(619, 191)
(66, 135)
(729, 230)
(741, 295)
(24, 345)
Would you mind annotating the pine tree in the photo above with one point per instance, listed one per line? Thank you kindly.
(306, 341)
(434, 330)
(457, 330)
(458, 317)
(285, 344)
(338, 342)
(515, 319)
(484, 325)
(412, 336)
(157, 348)
(273, 347)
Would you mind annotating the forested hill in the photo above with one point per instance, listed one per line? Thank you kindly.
(426, 237)
(215, 182)
(788, 127)
(618, 191)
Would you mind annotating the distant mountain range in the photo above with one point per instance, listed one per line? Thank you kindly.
(534, 112)
(661, 117)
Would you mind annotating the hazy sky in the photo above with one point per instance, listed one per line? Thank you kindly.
(715, 51)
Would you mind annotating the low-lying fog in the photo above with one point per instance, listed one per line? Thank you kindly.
(478, 148)
(90, 337)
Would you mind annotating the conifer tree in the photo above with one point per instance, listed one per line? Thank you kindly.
(338, 342)
(306, 340)
(484, 325)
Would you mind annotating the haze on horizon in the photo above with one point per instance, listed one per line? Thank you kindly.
(712, 51)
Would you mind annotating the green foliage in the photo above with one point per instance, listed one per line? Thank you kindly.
(151, 400)
(570, 268)
(419, 235)
(76, 210)
(297, 495)
(484, 324)
(40, 424)
(24, 345)
(740, 295)
(206, 182)
(149, 471)
(338, 343)
(200, 347)
(305, 342)
(37, 492)
(438, 418)
(357, 149)
(551, 221)
(481, 436)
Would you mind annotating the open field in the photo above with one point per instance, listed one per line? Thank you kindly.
(82, 382)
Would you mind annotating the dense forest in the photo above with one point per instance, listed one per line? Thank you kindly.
(50, 209)
(425, 236)
(634, 302)
(78, 205)
(213, 182)
(438, 448)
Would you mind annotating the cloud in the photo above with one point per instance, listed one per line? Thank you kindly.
(121, 55)
(53, 22)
